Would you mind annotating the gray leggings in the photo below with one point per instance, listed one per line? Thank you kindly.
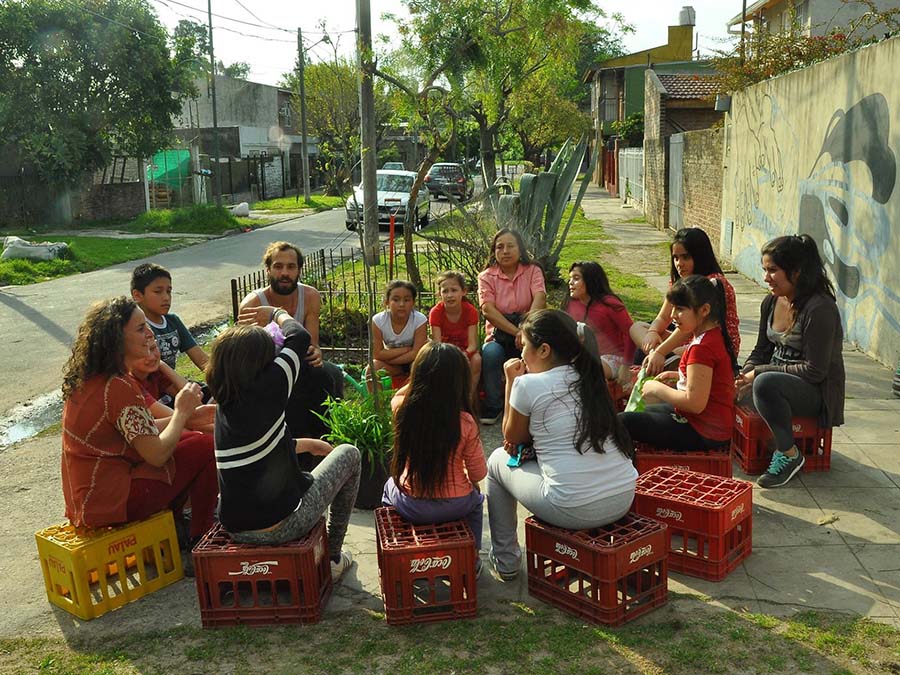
(780, 396)
(334, 488)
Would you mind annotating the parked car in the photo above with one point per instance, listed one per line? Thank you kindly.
(394, 166)
(445, 178)
(393, 197)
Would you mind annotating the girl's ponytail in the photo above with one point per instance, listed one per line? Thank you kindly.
(719, 308)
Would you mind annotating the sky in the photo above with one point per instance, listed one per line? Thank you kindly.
(267, 38)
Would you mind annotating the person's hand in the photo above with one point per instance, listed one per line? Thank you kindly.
(314, 356)
(654, 362)
(203, 418)
(669, 377)
(187, 400)
(743, 382)
(519, 344)
(510, 448)
(255, 316)
(513, 368)
(653, 389)
(312, 446)
(651, 340)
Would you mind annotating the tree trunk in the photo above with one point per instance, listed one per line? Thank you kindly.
(488, 158)
(409, 225)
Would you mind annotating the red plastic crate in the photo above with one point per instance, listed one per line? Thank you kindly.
(427, 571)
(709, 518)
(713, 462)
(750, 442)
(608, 575)
(257, 585)
(618, 394)
(712, 558)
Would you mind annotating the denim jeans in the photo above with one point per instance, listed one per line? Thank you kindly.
(493, 356)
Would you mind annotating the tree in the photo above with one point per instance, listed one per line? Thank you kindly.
(191, 40)
(238, 69)
(71, 96)
(332, 115)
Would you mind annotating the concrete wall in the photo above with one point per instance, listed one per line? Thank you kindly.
(816, 151)
(656, 181)
(702, 173)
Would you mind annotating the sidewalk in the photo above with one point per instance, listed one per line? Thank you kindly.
(846, 564)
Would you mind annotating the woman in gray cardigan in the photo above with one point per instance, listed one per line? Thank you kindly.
(796, 368)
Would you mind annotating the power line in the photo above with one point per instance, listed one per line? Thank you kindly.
(226, 18)
(246, 9)
(114, 21)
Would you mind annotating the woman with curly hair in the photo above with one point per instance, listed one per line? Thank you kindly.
(116, 464)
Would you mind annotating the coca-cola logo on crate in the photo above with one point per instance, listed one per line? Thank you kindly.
(640, 553)
(565, 549)
(435, 562)
(249, 569)
(669, 513)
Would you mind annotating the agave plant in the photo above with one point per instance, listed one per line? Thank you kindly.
(537, 209)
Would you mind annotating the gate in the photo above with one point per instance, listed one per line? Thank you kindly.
(631, 175)
(676, 181)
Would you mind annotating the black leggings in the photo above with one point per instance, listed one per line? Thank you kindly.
(780, 396)
(661, 427)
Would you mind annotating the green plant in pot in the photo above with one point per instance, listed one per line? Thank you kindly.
(358, 421)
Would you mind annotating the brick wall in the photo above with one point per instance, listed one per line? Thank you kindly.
(678, 120)
(118, 200)
(656, 205)
(654, 109)
(702, 171)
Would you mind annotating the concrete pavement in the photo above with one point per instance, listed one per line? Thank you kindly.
(828, 541)
(38, 322)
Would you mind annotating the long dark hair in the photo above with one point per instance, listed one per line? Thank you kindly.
(596, 284)
(695, 291)
(596, 418)
(427, 426)
(524, 258)
(99, 348)
(800, 254)
(697, 244)
(237, 356)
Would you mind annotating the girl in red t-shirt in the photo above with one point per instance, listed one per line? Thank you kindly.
(697, 413)
(592, 301)
(438, 458)
(455, 320)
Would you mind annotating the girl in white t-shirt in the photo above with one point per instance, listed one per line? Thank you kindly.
(400, 331)
(556, 401)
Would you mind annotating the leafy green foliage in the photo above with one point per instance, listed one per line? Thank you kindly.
(85, 254)
(768, 53)
(358, 421)
(195, 219)
(631, 128)
(77, 87)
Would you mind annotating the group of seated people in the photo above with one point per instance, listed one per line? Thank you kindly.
(567, 456)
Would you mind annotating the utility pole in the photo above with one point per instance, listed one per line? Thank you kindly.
(304, 153)
(365, 56)
(743, 30)
(217, 184)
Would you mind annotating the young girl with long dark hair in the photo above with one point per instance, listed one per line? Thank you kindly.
(698, 412)
(796, 368)
(556, 401)
(691, 252)
(265, 498)
(592, 302)
(438, 458)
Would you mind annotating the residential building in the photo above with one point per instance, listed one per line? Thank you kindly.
(815, 17)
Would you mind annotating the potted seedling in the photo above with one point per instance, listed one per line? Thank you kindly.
(357, 420)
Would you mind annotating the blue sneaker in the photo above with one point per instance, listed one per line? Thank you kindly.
(781, 469)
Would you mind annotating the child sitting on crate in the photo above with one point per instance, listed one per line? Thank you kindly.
(265, 498)
(438, 458)
(697, 413)
(398, 332)
(455, 320)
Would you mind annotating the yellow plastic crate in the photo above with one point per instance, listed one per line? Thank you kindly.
(90, 572)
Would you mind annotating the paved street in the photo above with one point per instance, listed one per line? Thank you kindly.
(38, 322)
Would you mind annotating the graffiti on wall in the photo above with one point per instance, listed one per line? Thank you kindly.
(845, 201)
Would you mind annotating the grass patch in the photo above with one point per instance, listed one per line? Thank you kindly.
(197, 219)
(317, 203)
(690, 638)
(638, 219)
(85, 255)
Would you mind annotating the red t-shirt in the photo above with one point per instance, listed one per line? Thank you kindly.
(716, 422)
(455, 333)
(610, 322)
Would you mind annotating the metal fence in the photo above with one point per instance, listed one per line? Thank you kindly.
(347, 299)
(631, 175)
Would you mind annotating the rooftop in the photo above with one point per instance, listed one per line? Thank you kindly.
(688, 86)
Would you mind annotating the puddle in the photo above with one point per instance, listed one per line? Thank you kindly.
(29, 419)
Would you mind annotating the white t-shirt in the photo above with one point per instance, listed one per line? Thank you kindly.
(404, 338)
(570, 477)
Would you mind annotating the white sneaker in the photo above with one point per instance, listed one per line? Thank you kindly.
(338, 568)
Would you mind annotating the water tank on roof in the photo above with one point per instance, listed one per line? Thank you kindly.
(687, 16)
